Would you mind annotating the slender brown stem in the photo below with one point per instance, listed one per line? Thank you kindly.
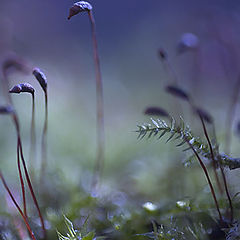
(44, 140)
(31, 190)
(191, 103)
(17, 206)
(21, 181)
(221, 168)
(230, 116)
(16, 122)
(208, 179)
(212, 154)
(227, 193)
(33, 138)
(100, 108)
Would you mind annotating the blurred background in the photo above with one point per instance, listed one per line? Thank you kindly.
(129, 35)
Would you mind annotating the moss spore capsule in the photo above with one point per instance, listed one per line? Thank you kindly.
(40, 76)
(78, 7)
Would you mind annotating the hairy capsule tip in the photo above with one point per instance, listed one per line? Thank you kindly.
(78, 7)
(16, 89)
(39, 75)
(156, 111)
(177, 92)
(26, 87)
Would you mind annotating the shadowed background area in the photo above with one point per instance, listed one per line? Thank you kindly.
(129, 35)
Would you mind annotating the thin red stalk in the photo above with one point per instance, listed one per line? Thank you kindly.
(33, 137)
(222, 172)
(21, 180)
(32, 191)
(212, 155)
(230, 116)
(17, 206)
(16, 122)
(208, 179)
(227, 193)
(44, 140)
(15, 119)
(100, 108)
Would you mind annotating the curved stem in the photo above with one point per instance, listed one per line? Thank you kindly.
(208, 179)
(16, 122)
(33, 137)
(227, 193)
(21, 181)
(44, 141)
(17, 206)
(31, 189)
(221, 168)
(212, 154)
(100, 107)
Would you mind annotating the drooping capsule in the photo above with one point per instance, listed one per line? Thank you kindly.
(78, 7)
(16, 89)
(39, 75)
(26, 87)
(156, 111)
(177, 92)
(22, 87)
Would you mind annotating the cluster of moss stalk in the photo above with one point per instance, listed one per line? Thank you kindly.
(17, 64)
(14, 63)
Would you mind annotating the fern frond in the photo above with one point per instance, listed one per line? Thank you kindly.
(160, 128)
(182, 132)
